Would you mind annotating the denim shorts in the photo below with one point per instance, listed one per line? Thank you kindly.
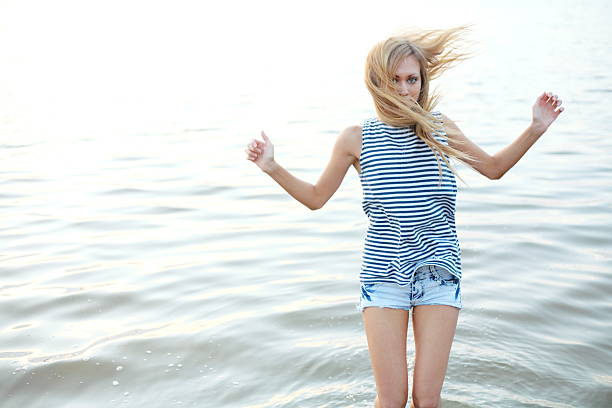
(430, 285)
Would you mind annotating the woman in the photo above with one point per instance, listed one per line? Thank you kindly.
(411, 257)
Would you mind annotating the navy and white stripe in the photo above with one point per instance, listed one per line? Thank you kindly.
(412, 215)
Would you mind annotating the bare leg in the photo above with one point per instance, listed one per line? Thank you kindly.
(386, 331)
(434, 330)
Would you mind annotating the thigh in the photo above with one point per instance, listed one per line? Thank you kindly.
(434, 330)
(386, 331)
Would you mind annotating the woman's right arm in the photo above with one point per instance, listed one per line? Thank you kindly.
(312, 196)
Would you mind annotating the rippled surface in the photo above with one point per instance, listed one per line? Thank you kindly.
(145, 262)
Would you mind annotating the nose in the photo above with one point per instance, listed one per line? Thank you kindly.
(403, 89)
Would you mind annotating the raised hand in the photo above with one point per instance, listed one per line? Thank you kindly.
(546, 109)
(261, 152)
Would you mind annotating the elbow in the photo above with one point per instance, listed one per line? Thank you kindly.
(315, 205)
(497, 173)
(494, 173)
(495, 176)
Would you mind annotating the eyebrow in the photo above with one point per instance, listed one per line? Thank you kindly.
(411, 74)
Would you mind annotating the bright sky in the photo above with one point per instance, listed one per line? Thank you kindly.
(89, 55)
(74, 63)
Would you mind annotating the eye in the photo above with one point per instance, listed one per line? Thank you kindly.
(411, 80)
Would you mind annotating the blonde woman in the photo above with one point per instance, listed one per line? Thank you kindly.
(411, 256)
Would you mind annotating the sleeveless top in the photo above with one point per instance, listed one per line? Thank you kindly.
(411, 210)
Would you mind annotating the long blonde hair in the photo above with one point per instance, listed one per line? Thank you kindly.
(436, 51)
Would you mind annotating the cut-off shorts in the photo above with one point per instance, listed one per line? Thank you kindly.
(430, 285)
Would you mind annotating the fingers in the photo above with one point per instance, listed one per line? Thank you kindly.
(252, 152)
(552, 100)
(255, 144)
(254, 149)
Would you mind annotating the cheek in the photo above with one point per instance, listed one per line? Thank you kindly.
(417, 88)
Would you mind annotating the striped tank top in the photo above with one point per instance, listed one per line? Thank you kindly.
(411, 211)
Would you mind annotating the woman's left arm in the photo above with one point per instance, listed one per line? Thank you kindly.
(545, 110)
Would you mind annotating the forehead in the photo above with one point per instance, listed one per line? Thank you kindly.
(408, 66)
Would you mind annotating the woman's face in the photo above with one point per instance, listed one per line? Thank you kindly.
(408, 78)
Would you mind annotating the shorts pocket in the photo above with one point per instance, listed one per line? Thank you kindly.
(368, 289)
(443, 276)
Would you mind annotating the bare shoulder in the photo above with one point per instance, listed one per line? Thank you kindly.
(351, 140)
(352, 132)
(445, 118)
(448, 122)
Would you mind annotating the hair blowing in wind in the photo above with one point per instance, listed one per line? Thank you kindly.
(436, 51)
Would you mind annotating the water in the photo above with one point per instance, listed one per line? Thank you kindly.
(145, 262)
